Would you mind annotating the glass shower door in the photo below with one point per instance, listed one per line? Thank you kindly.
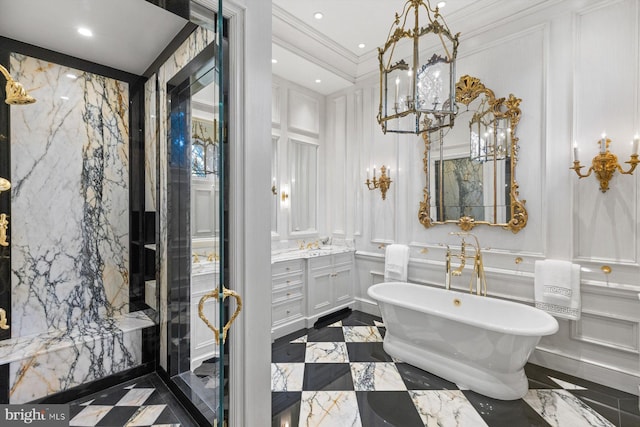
(198, 298)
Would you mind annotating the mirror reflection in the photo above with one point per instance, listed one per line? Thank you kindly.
(303, 164)
(471, 169)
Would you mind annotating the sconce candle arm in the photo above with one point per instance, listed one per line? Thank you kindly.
(604, 164)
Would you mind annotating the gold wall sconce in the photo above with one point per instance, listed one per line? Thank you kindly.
(383, 183)
(605, 163)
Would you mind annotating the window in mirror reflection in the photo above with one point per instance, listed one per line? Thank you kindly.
(204, 147)
(303, 164)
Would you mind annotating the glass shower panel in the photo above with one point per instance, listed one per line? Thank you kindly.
(197, 353)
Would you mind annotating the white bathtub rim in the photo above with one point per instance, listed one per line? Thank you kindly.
(549, 327)
(502, 386)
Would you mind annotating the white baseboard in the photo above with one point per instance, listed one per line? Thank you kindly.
(588, 370)
(367, 306)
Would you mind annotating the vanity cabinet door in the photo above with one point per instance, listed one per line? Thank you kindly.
(342, 284)
(319, 290)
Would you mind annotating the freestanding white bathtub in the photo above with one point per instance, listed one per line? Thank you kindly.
(479, 343)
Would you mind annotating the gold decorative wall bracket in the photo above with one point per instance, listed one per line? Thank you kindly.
(605, 163)
(215, 294)
(284, 196)
(3, 319)
(16, 94)
(4, 226)
(383, 183)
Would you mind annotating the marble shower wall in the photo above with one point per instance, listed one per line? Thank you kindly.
(70, 199)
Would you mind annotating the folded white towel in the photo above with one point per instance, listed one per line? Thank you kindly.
(396, 261)
(557, 288)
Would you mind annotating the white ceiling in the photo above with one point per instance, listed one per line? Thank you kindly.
(299, 38)
(127, 34)
(130, 34)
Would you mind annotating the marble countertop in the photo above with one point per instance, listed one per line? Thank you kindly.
(294, 253)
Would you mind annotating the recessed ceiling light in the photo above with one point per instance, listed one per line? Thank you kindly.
(85, 32)
(442, 4)
(318, 81)
(361, 45)
(72, 76)
(274, 61)
(65, 98)
(318, 15)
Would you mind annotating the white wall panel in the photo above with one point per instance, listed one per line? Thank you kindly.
(303, 112)
(606, 100)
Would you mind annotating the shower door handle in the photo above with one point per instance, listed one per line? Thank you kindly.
(215, 294)
(3, 319)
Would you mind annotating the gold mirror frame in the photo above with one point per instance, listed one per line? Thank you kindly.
(468, 89)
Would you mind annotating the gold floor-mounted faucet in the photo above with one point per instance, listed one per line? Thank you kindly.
(478, 264)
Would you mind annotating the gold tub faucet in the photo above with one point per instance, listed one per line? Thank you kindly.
(478, 264)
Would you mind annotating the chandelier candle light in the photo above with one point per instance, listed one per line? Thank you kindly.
(419, 95)
(605, 163)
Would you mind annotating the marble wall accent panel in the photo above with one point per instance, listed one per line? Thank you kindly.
(196, 42)
(70, 199)
(150, 144)
(73, 358)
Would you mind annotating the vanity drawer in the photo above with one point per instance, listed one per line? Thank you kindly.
(287, 293)
(286, 267)
(281, 312)
(344, 258)
(286, 281)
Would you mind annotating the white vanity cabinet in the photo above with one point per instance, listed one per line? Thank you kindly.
(330, 285)
(287, 297)
(306, 288)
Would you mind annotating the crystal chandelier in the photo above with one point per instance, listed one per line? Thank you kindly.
(419, 95)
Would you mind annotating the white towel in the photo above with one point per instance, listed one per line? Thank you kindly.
(396, 261)
(557, 288)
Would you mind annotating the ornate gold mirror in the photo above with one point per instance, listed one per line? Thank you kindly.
(471, 178)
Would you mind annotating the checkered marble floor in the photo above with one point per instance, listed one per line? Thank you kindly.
(145, 401)
(340, 375)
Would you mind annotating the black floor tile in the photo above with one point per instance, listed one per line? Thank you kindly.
(630, 406)
(289, 353)
(539, 377)
(167, 417)
(387, 408)
(332, 334)
(417, 379)
(358, 318)
(118, 416)
(285, 408)
(610, 413)
(327, 376)
(109, 397)
(505, 413)
(629, 420)
(367, 352)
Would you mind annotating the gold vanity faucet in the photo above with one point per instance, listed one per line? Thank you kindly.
(213, 257)
(3, 319)
(196, 258)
